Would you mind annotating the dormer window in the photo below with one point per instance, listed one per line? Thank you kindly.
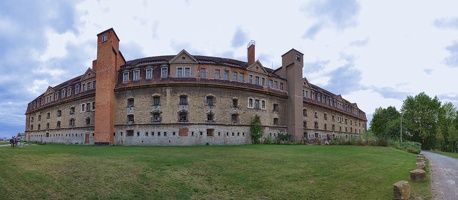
(164, 72)
(125, 76)
(149, 73)
(187, 72)
(104, 38)
(298, 58)
(136, 75)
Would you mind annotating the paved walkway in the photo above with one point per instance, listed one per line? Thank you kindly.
(444, 176)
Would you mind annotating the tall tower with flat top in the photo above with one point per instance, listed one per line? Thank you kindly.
(109, 59)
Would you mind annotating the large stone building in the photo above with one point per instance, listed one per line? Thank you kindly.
(187, 99)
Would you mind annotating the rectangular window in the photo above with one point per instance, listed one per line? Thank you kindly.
(217, 74)
(270, 84)
(84, 87)
(89, 86)
(187, 72)
(130, 118)
(93, 84)
(69, 91)
(164, 72)
(256, 104)
(275, 121)
(256, 78)
(203, 73)
(179, 72)
(250, 103)
(149, 73)
(281, 86)
(210, 101)
(125, 77)
(235, 103)
(183, 100)
(104, 38)
(234, 76)
(250, 78)
(263, 81)
(275, 107)
(156, 101)
(56, 96)
(183, 117)
(62, 93)
(77, 89)
(263, 104)
(82, 107)
(226, 75)
(234, 118)
(136, 76)
(275, 85)
(130, 102)
(156, 117)
(242, 77)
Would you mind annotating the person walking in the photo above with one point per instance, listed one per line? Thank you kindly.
(15, 142)
(21, 143)
(12, 142)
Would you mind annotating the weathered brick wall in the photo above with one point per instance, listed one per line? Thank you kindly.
(197, 116)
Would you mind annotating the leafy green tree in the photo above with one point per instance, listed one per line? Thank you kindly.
(447, 116)
(385, 123)
(421, 114)
(256, 129)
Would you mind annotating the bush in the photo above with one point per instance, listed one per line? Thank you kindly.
(411, 147)
(268, 140)
(283, 138)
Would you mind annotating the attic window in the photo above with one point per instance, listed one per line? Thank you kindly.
(298, 58)
(183, 58)
(104, 38)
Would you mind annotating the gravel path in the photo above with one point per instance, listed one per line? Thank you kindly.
(444, 176)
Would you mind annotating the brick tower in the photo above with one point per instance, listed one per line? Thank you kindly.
(109, 59)
(292, 65)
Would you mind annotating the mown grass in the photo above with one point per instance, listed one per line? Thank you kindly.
(204, 172)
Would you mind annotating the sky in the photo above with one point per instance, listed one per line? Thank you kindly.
(373, 53)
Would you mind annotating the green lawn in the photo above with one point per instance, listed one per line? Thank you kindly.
(205, 172)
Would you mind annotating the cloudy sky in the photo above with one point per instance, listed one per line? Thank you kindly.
(374, 53)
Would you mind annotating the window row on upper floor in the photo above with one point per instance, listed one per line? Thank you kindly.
(64, 93)
(333, 102)
(340, 119)
(210, 100)
(85, 107)
(148, 73)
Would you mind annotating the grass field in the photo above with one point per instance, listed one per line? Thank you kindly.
(205, 172)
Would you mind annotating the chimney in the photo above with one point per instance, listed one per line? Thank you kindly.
(251, 52)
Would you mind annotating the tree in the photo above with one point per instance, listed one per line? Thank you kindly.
(256, 129)
(447, 116)
(385, 123)
(421, 114)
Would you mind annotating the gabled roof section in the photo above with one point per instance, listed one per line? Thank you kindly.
(49, 90)
(89, 74)
(257, 67)
(183, 57)
(306, 82)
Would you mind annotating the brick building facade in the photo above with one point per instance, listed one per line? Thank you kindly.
(186, 99)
